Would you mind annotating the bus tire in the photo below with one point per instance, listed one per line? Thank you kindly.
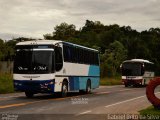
(150, 92)
(126, 85)
(82, 91)
(64, 89)
(29, 94)
(88, 87)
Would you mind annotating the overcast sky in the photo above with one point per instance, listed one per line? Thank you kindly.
(33, 18)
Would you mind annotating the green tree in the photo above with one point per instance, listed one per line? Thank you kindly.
(48, 36)
(96, 26)
(113, 57)
(21, 39)
(64, 31)
(1, 49)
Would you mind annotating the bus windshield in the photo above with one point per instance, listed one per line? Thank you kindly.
(33, 62)
(131, 69)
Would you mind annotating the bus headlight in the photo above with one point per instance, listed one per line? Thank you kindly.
(20, 84)
(17, 84)
(51, 83)
(46, 84)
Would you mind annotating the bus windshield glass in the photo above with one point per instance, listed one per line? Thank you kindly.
(29, 61)
(132, 69)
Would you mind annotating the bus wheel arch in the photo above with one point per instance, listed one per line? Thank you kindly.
(150, 92)
(64, 88)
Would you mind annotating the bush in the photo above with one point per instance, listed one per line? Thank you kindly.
(6, 83)
(111, 81)
(150, 111)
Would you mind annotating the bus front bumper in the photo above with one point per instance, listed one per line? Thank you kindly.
(132, 81)
(45, 86)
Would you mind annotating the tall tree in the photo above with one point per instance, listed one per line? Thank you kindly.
(114, 56)
(96, 26)
(48, 36)
(1, 49)
(64, 31)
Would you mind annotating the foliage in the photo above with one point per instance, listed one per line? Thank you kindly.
(62, 32)
(111, 81)
(150, 112)
(1, 48)
(113, 57)
(6, 83)
(7, 48)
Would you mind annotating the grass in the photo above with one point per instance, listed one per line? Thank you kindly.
(150, 113)
(111, 81)
(150, 110)
(6, 83)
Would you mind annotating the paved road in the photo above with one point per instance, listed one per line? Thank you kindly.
(103, 103)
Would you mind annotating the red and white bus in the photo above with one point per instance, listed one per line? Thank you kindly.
(137, 72)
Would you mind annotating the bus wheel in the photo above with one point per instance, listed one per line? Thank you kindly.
(126, 85)
(82, 91)
(88, 87)
(64, 89)
(150, 92)
(29, 94)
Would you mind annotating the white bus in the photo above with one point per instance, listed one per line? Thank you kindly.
(136, 72)
(48, 66)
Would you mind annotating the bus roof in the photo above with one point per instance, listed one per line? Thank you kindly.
(52, 42)
(139, 60)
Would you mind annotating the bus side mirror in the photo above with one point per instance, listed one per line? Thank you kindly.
(58, 58)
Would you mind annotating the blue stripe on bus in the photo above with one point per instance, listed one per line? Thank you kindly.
(74, 83)
(83, 82)
(95, 82)
(79, 83)
(94, 70)
(38, 86)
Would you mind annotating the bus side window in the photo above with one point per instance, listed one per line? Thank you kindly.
(53, 62)
(58, 58)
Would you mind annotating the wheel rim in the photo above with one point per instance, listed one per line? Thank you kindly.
(88, 88)
(64, 89)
